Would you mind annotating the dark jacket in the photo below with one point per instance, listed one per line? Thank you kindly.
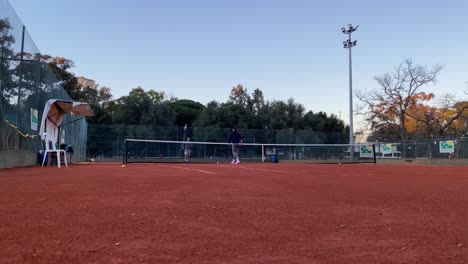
(235, 137)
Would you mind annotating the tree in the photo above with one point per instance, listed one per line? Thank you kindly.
(330, 129)
(397, 94)
(142, 108)
(322, 122)
(417, 104)
(281, 115)
(295, 112)
(258, 101)
(100, 115)
(234, 115)
(287, 116)
(89, 91)
(387, 133)
(460, 126)
(104, 96)
(186, 111)
(156, 97)
(6, 89)
(6, 38)
(441, 119)
(60, 67)
(240, 96)
(208, 117)
(276, 115)
(218, 115)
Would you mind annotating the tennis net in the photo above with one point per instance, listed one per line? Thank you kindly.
(143, 150)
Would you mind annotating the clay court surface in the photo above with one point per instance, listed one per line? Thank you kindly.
(247, 213)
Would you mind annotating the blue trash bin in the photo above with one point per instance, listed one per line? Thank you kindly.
(274, 159)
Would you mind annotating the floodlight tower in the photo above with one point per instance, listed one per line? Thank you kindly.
(348, 44)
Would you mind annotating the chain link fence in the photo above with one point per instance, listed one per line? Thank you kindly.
(26, 83)
(434, 148)
(106, 141)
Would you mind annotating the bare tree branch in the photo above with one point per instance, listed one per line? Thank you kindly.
(397, 94)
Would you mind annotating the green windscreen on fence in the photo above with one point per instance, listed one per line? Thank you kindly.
(26, 83)
(106, 140)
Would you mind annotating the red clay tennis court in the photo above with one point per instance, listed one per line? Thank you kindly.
(247, 213)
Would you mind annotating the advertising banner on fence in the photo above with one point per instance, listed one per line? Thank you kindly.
(386, 148)
(34, 119)
(366, 151)
(446, 146)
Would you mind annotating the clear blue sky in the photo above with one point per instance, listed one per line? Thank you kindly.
(200, 49)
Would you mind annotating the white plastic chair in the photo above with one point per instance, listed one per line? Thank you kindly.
(49, 140)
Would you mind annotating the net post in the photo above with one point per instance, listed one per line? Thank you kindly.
(124, 154)
(263, 153)
(375, 154)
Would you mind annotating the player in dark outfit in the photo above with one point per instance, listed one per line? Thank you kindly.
(236, 140)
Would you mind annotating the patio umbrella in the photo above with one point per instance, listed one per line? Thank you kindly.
(55, 110)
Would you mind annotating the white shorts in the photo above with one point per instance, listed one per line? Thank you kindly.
(187, 152)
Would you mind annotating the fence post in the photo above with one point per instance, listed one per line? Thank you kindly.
(375, 155)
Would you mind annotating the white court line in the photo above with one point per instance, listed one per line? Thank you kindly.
(247, 168)
(184, 168)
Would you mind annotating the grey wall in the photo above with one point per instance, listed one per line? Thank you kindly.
(14, 158)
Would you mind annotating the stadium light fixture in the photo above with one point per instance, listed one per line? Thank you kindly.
(349, 44)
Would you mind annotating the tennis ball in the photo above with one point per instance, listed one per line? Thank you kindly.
(123, 165)
(217, 162)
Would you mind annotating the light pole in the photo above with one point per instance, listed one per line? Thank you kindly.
(348, 44)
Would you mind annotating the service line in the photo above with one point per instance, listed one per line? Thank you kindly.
(257, 169)
(184, 168)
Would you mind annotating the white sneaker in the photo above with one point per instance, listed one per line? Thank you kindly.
(237, 162)
(233, 161)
